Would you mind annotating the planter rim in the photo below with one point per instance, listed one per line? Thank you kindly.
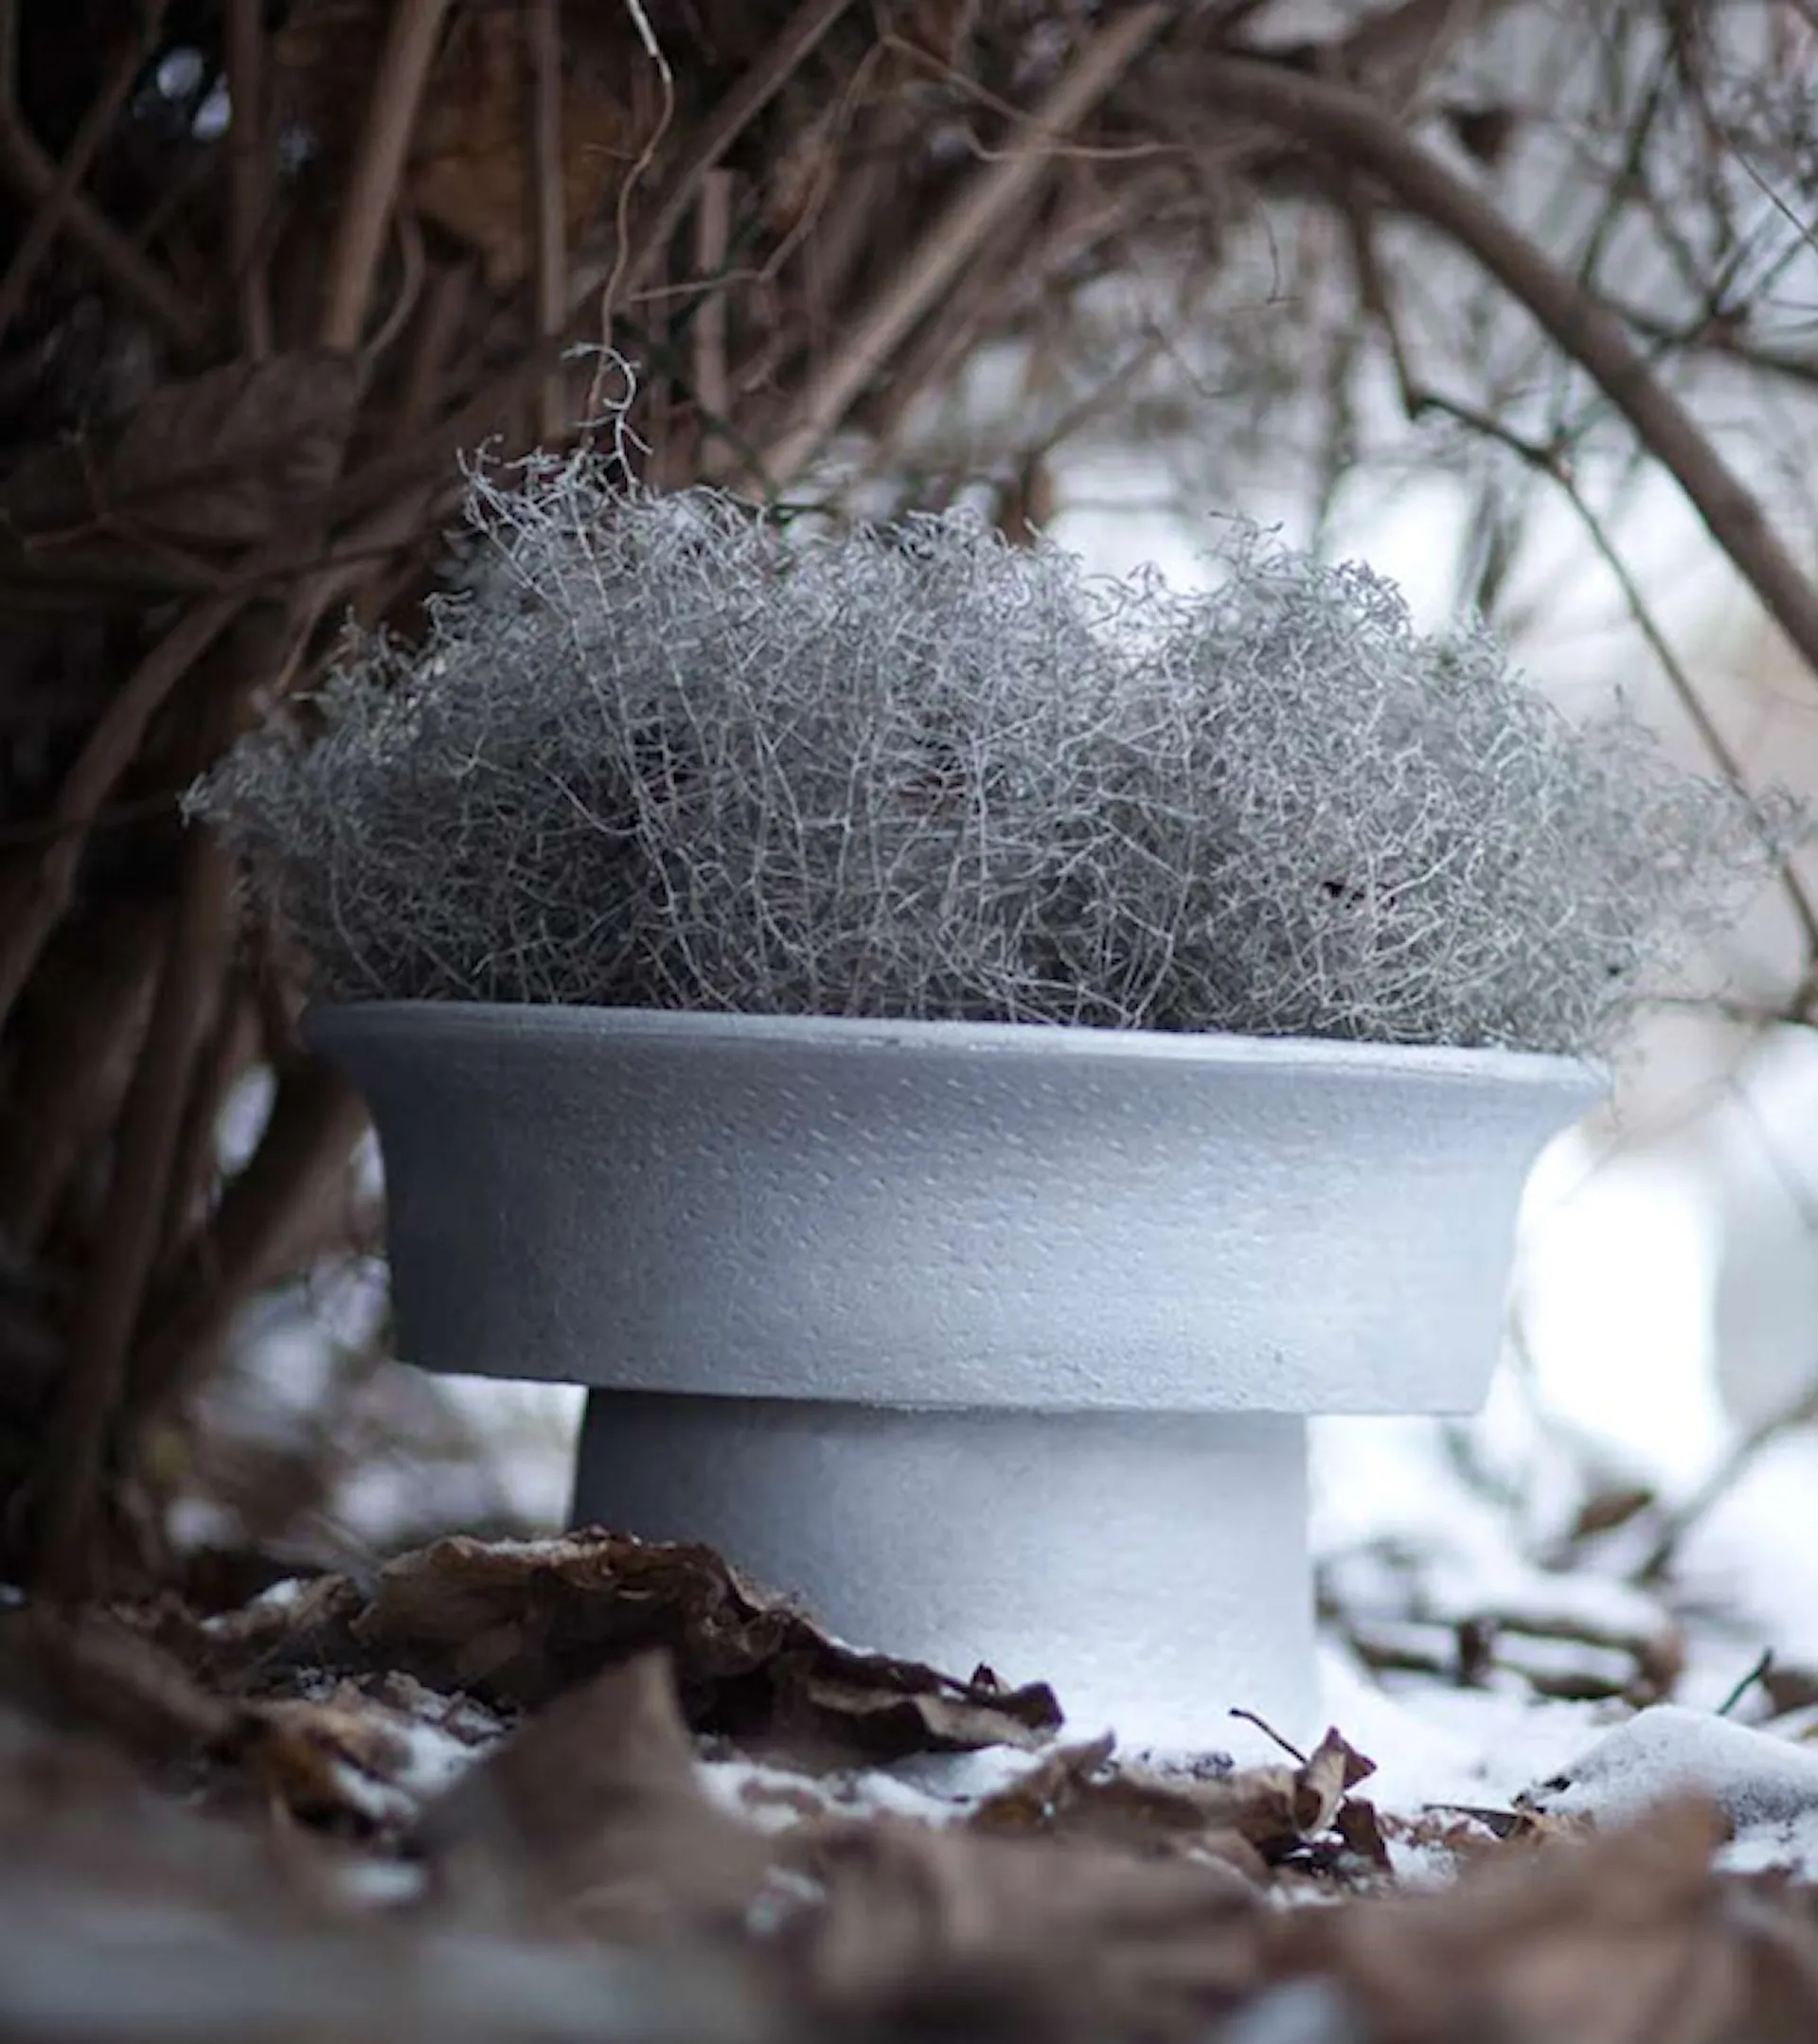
(947, 1215)
(325, 1020)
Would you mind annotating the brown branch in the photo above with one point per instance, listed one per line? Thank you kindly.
(377, 168)
(784, 54)
(1550, 461)
(712, 238)
(34, 902)
(437, 328)
(846, 232)
(993, 191)
(96, 125)
(1343, 124)
(231, 1046)
(36, 177)
(543, 43)
(77, 1059)
(267, 1216)
(1796, 1414)
(979, 299)
(88, 1409)
(248, 174)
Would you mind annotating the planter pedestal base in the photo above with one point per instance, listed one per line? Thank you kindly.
(1152, 1566)
(995, 1342)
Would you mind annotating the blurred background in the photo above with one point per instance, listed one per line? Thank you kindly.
(1519, 302)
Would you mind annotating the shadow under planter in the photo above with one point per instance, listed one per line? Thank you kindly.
(996, 1342)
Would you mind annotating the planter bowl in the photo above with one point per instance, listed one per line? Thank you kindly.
(995, 1340)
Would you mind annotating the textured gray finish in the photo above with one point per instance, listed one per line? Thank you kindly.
(1152, 1566)
(948, 1215)
(994, 1343)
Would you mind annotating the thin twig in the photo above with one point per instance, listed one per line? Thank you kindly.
(73, 1074)
(39, 898)
(1550, 462)
(712, 238)
(440, 316)
(378, 166)
(267, 1216)
(220, 1061)
(412, 265)
(248, 179)
(617, 276)
(1758, 1673)
(787, 50)
(1346, 124)
(113, 1290)
(992, 191)
(542, 44)
(1262, 1725)
(97, 126)
(35, 176)
(1797, 1412)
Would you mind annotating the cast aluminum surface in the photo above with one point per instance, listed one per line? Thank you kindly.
(1152, 1567)
(932, 1215)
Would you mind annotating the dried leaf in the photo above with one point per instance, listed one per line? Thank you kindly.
(595, 1808)
(1612, 1506)
(91, 1673)
(1616, 1937)
(1082, 1792)
(950, 1934)
(520, 1622)
(1361, 1830)
(230, 458)
(1328, 1771)
(328, 1762)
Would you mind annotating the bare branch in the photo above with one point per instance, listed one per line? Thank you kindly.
(712, 238)
(542, 44)
(1550, 461)
(96, 125)
(114, 1292)
(268, 1219)
(789, 48)
(38, 896)
(248, 179)
(37, 178)
(398, 85)
(993, 191)
(1339, 122)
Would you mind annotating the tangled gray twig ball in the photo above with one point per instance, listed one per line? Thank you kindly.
(656, 751)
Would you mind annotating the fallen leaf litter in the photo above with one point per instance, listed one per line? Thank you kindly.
(587, 1788)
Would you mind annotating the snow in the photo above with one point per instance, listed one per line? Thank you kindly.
(779, 1799)
(431, 1760)
(372, 1883)
(1766, 1786)
(1439, 1749)
(1754, 1557)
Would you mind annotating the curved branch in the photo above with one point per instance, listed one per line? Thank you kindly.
(988, 197)
(39, 179)
(412, 37)
(1341, 123)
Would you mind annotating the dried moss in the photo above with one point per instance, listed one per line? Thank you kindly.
(657, 752)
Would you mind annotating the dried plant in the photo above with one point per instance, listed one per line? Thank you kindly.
(659, 751)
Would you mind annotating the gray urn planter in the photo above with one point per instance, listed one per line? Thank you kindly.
(996, 1342)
